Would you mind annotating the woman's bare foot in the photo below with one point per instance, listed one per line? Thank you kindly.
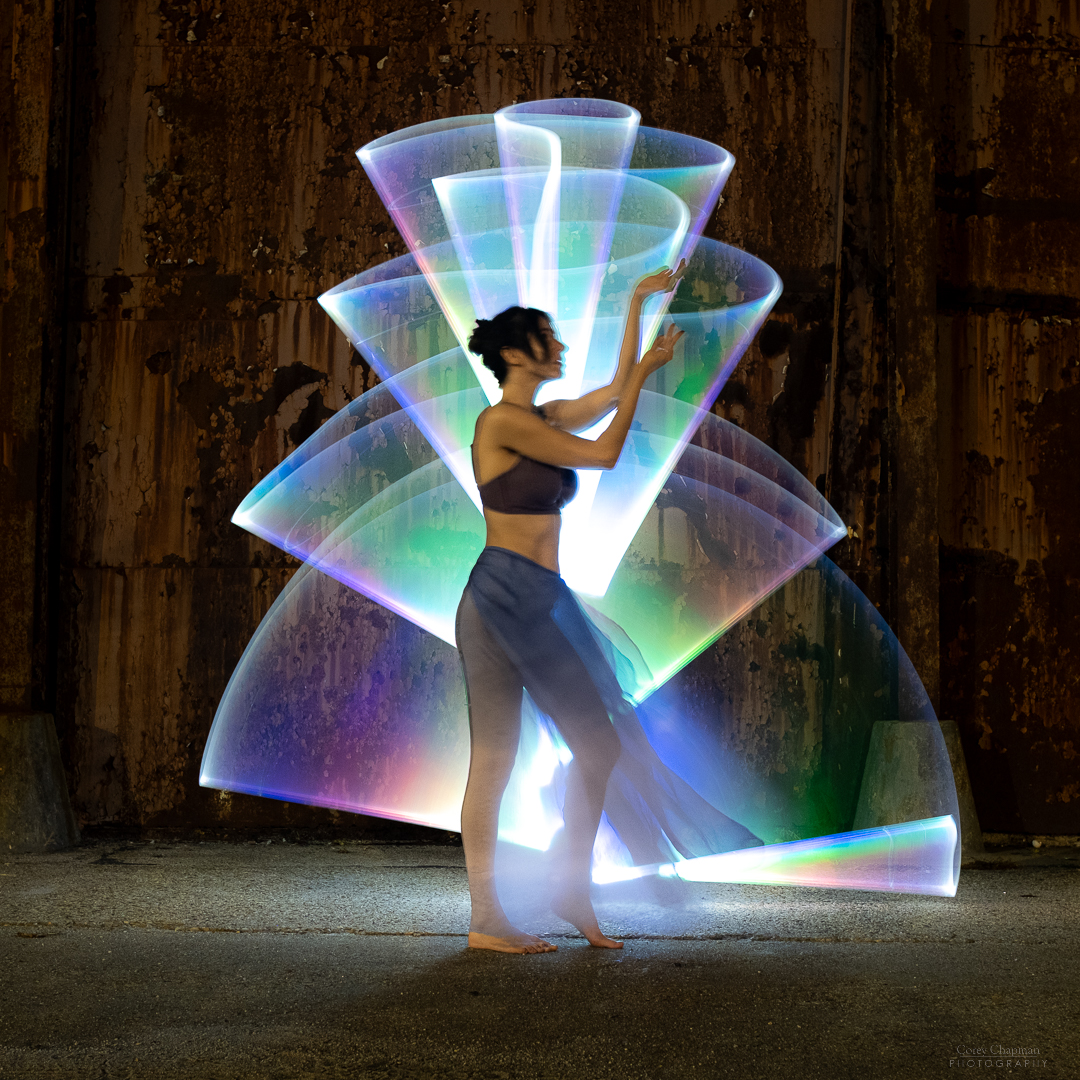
(511, 941)
(576, 908)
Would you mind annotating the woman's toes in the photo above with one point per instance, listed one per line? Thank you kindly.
(602, 941)
(513, 942)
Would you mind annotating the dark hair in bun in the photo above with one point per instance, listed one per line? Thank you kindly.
(510, 329)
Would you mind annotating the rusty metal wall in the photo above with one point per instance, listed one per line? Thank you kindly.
(26, 347)
(1008, 208)
(217, 195)
(221, 196)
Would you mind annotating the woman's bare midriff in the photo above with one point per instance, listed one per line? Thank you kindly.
(536, 536)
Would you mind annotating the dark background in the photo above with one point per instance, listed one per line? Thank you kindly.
(179, 185)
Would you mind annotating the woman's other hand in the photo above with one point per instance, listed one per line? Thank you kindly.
(664, 280)
(663, 348)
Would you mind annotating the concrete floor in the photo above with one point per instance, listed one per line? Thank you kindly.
(286, 960)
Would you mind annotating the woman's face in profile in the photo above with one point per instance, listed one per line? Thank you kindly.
(548, 353)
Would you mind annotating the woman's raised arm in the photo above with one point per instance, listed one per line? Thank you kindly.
(524, 432)
(576, 414)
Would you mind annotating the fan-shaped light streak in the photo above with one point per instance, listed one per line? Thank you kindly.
(913, 857)
(564, 205)
(378, 510)
(533, 180)
(396, 321)
(327, 708)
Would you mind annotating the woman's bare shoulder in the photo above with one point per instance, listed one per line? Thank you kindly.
(495, 421)
(504, 415)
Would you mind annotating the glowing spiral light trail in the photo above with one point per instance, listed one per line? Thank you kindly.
(563, 205)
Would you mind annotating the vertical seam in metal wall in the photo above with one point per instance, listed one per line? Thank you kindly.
(59, 188)
(841, 177)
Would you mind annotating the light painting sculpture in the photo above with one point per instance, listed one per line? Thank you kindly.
(563, 205)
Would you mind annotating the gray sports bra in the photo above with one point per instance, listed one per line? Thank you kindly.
(528, 487)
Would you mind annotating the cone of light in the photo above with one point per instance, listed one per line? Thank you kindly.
(562, 206)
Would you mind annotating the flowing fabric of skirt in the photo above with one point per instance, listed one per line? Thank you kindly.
(558, 649)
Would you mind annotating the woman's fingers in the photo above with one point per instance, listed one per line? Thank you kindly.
(651, 283)
(673, 277)
(663, 280)
(663, 347)
(668, 338)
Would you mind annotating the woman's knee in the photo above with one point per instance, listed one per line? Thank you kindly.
(490, 767)
(600, 750)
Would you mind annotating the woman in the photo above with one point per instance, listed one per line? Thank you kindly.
(518, 625)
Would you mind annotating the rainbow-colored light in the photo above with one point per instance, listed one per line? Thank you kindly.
(559, 205)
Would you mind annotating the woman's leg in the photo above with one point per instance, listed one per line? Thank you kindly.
(573, 703)
(494, 691)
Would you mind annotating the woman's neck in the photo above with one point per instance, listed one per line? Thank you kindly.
(520, 391)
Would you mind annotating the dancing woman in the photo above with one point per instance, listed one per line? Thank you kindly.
(518, 625)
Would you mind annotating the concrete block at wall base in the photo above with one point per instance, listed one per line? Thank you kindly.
(901, 766)
(35, 811)
(970, 832)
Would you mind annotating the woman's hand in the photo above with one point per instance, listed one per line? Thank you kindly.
(579, 413)
(664, 280)
(663, 348)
